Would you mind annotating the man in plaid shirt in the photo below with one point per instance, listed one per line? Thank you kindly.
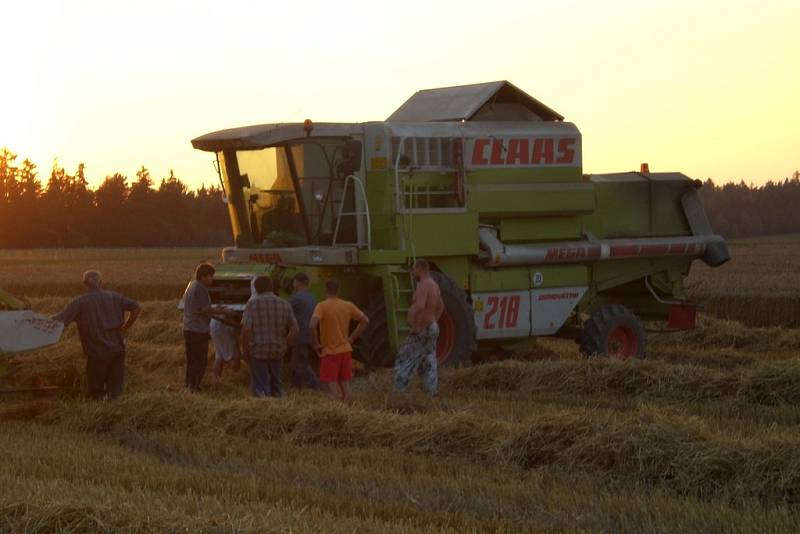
(268, 327)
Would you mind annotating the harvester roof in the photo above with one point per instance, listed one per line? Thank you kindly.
(478, 103)
(264, 135)
(493, 101)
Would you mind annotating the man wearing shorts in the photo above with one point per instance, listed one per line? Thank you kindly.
(333, 342)
(419, 348)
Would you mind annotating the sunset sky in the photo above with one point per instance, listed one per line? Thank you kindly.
(711, 89)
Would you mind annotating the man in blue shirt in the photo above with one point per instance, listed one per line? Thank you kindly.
(303, 303)
(101, 319)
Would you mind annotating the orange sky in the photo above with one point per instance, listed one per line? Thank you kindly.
(706, 88)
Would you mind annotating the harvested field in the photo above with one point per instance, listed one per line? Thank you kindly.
(144, 274)
(760, 286)
(702, 436)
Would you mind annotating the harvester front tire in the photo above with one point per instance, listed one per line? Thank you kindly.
(456, 330)
(456, 326)
(614, 331)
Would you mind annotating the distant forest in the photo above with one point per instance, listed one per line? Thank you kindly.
(142, 212)
(65, 212)
(742, 210)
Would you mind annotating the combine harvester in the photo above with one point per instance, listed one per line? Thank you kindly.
(486, 183)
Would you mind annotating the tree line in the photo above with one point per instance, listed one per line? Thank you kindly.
(742, 210)
(66, 212)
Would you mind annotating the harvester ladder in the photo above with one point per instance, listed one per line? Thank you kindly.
(358, 187)
(400, 294)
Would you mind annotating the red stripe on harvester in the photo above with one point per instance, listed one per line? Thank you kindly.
(653, 250)
(624, 250)
(595, 251)
(691, 248)
(677, 248)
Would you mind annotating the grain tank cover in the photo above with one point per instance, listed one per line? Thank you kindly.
(493, 101)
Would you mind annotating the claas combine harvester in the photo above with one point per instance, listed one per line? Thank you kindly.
(486, 183)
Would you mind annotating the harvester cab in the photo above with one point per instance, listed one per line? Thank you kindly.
(485, 182)
(286, 185)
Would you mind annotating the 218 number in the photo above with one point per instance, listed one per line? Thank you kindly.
(506, 309)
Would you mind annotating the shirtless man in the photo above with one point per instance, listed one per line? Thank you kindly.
(419, 348)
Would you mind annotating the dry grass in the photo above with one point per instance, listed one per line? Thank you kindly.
(645, 447)
(145, 274)
(760, 286)
(700, 437)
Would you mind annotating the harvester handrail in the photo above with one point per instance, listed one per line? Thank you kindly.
(397, 198)
(356, 213)
(402, 194)
(406, 220)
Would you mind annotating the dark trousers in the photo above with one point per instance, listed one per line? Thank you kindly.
(196, 358)
(105, 375)
(303, 376)
(265, 376)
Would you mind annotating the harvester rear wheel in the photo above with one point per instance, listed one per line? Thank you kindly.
(615, 331)
(456, 329)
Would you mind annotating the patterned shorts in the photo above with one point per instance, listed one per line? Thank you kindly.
(418, 351)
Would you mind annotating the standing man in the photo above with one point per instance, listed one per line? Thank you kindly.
(197, 314)
(102, 324)
(303, 304)
(268, 327)
(333, 316)
(419, 348)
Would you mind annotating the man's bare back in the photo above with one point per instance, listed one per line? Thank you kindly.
(427, 305)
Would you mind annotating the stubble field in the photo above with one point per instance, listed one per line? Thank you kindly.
(702, 436)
